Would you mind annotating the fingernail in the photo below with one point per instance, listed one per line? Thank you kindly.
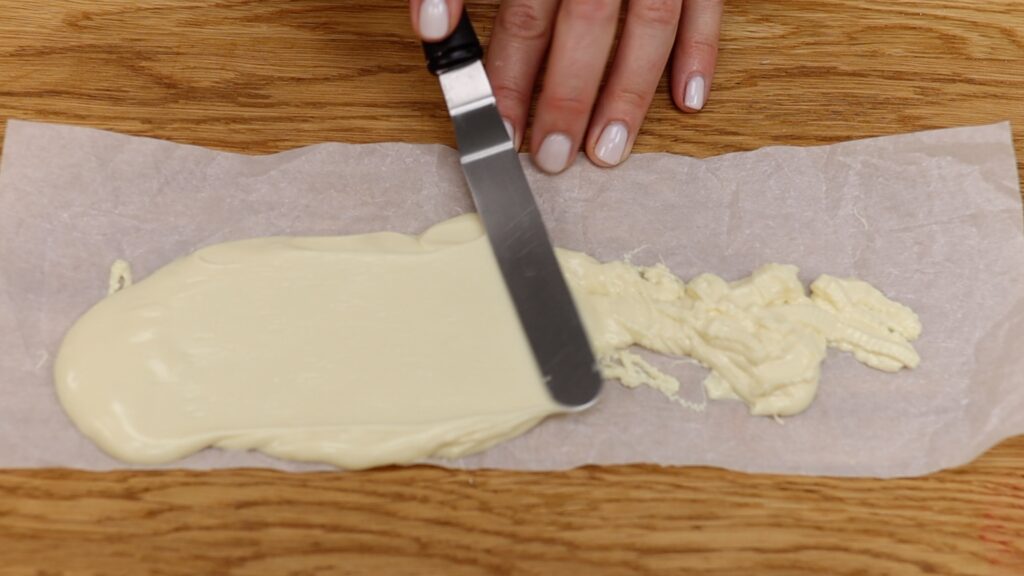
(433, 19)
(611, 146)
(553, 156)
(510, 129)
(694, 98)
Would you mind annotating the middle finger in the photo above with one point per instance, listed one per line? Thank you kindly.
(583, 38)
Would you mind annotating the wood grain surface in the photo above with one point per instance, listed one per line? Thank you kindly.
(266, 75)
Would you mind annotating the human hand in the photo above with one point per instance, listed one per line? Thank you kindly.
(577, 37)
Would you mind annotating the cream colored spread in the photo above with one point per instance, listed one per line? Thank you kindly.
(120, 277)
(763, 338)
(383, 348)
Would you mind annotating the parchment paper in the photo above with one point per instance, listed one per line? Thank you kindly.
(933, 219)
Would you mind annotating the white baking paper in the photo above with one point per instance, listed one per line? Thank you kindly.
(933, 219)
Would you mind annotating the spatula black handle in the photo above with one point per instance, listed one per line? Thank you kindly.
(461, 47)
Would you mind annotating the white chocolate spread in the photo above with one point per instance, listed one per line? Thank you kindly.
(763, 337)
(383, 348)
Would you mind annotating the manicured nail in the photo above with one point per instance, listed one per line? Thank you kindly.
(553, 156)
(510, 129)
(611, 146)
(694, 98)
(433, 19)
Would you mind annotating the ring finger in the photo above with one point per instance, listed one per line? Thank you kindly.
(521, 34)
(639, 61)
(583, 38)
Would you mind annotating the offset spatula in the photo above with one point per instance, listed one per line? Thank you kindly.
(513, 223)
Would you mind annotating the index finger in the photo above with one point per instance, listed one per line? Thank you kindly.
(434, 19)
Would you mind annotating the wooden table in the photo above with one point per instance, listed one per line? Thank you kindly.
(266, 75)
